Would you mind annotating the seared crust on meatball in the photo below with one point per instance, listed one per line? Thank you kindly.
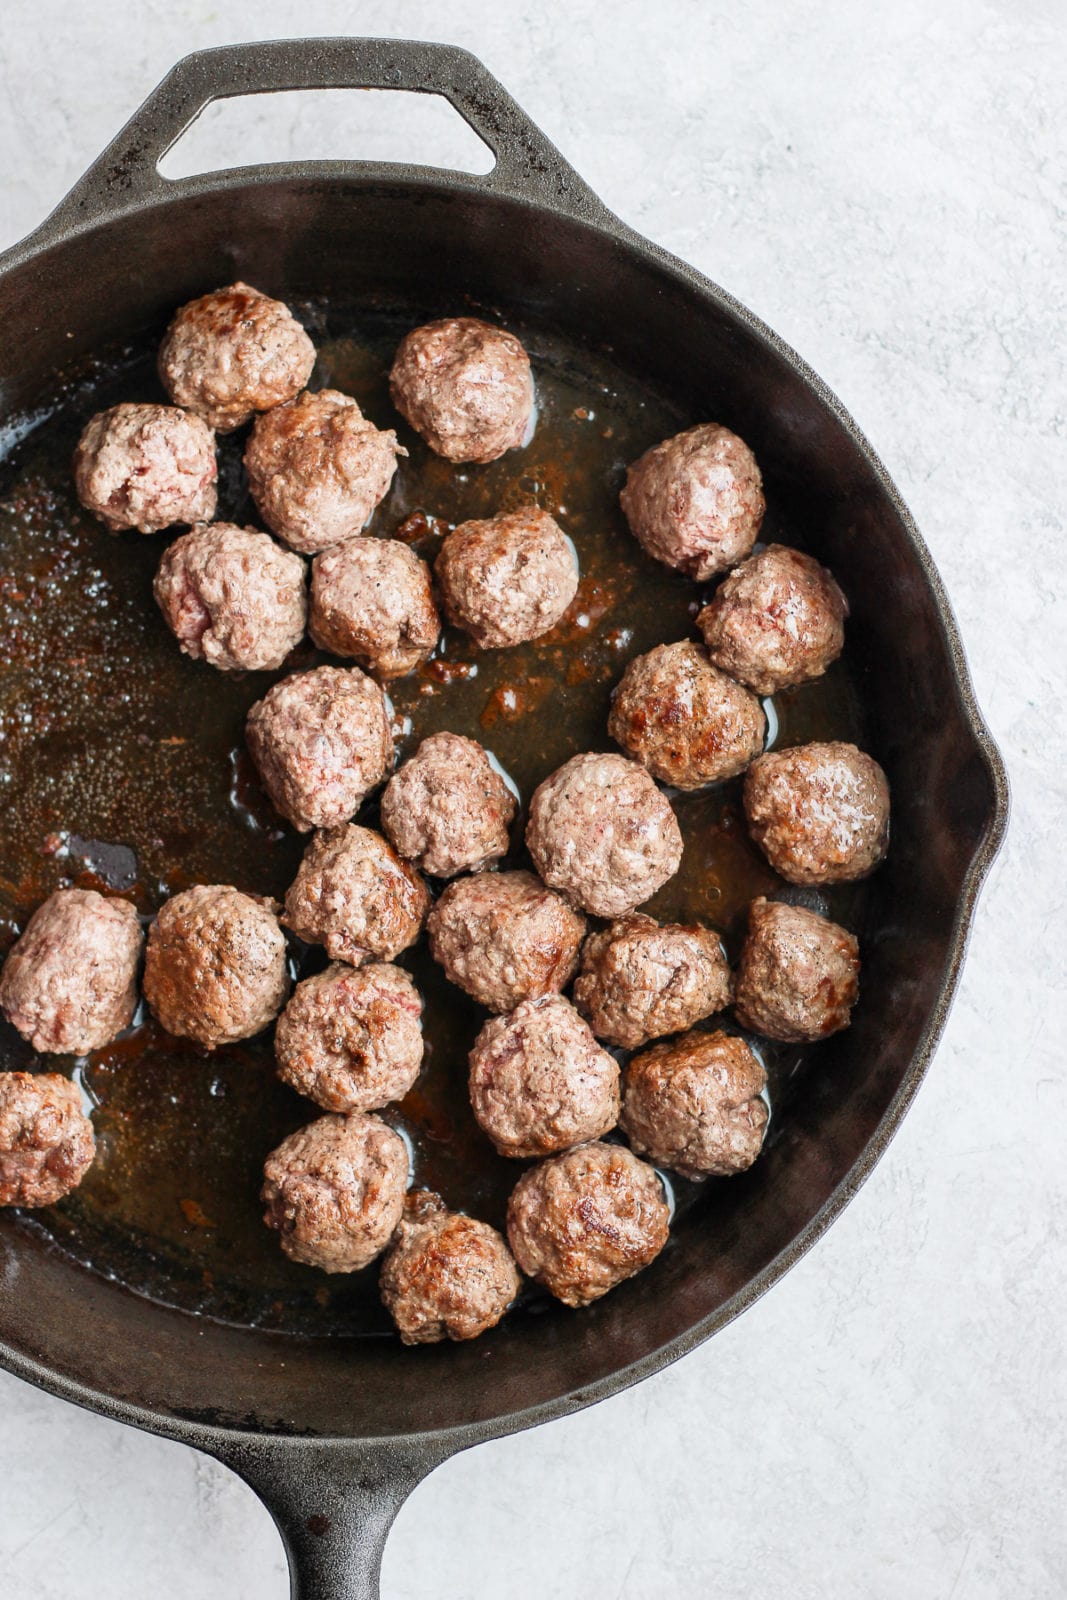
(465, 386)
(232, 597)
(539, 1081)
(603, 834)
(335, 1191)
(778, 619)
(146, 467)
(507, 579)
(69, 984)
(446, 1276)
(585, 1221)
(683, 719)
(234, 352)
(694, 1104)
(351, 1037)
(695, 502)
(819, 812)
(371, 599)
(448, 809)
(46, 1140)
(641, 979)
(321, 741)
(355, 895)
(798, 978)
(503, 937)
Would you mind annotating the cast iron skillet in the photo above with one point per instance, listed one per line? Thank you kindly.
(334, 1433)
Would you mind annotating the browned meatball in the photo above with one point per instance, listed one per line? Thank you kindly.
(371, 599)
(234, 352)
(778, 619)
(317, 468)
(215, 965)
(507, 579)
(446, 1276)
(354, 895)
(603, 834)
(351, 1038)
(694, 1104)
(465, 386)
(46, 1140)
(232, 597)
(799, 973)
(448, 809)
(69, 984)
(504, 937)
(696, 501)
(539, 1081)
(335, 1191)
(819, 812)
(321, 741)
(587, 1220)
(641, 979)
(683, 719)
(146, 467)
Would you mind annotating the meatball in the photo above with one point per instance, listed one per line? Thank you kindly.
(215, 965)
(317, 468)
(683, 719)
(466, 387)
(508, 579)
(351, 1038)
(819, 812)
(778, 619)
(146, 467)
(602, 833)
(354, 895)
(587, 1220)
(539, 1081)
(46, 1140)
(504, 937)
(799, 974)
(232, 597)
(446, 1276)
(371, 599)
(694, 1104)
(321, 741)
(695, 502)
(69, 984)
(335, 1191)
(232, 353)
(641, 979)
(448, 809)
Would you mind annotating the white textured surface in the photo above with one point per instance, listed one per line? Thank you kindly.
(884, 185)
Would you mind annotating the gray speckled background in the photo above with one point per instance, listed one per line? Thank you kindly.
(888, 192)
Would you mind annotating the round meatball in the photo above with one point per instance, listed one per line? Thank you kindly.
(146, 467)
(503, 937)
(603, 834)
(695, 502)
(778, 619)
(539, 1081)
(683, 719)
(215, 965)
(232, 353)
(232, 597)
(321, 741)
(694, 1104)
(69, 984)
(446, 1276)
(508, 579)
(448, 809)
(641, 979)
(371, 600)
(335, 1191)
(317, 468)
(799, 974)
(46, 1140)
(819, 812)
(587, 1220)
(466, 387)
(351, 1038)
(354, 895)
